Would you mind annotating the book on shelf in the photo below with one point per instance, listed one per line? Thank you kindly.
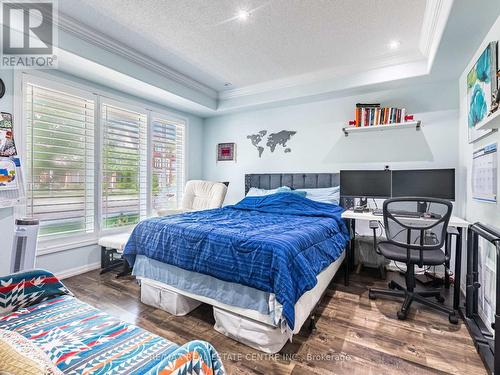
(371, 114)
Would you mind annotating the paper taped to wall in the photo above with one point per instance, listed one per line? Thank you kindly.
(484, 173)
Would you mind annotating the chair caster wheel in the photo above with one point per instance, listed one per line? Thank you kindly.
(453, 318)
(440, 299)
(401, 315)
(391, 285)
(371, 295)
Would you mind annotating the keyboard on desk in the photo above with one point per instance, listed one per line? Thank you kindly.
(398, 213)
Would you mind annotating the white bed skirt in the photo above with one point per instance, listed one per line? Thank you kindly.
(250, 327)
(259, 336)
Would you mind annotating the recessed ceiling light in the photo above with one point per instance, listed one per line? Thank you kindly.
(394, 44)
(243, 15)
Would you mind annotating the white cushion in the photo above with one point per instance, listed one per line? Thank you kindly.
(170, 212)
(324, 195)
(203, 195)
(114, 241)
(255, 192)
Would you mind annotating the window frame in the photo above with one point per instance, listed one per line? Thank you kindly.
(132, 108)
(153, 115)
(90, 91)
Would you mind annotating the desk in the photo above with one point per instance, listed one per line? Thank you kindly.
(455, 222)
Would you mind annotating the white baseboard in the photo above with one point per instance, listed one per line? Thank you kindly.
(78, 270)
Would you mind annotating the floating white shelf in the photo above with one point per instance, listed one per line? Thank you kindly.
(490, 122)
(363, 129)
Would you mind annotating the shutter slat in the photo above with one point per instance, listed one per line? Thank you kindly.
(167, 164)
(124, 149)
(60, 146)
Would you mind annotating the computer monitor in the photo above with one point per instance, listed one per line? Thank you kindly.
(432, 183)
(370, 184)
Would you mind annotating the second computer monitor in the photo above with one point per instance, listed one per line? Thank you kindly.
(433, 183)
(370, 184)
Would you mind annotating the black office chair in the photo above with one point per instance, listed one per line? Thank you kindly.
(416, 230)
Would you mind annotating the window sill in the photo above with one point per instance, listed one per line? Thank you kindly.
(56, 246)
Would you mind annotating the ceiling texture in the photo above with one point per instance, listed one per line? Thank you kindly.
(286, 49)
(281, 38)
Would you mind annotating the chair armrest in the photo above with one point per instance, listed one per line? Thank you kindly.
(170, 212)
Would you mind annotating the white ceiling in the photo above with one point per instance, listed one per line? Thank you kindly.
(283, 39)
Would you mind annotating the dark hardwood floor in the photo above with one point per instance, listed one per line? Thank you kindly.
(354, 335)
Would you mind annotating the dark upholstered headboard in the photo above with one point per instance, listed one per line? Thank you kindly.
(292, 180)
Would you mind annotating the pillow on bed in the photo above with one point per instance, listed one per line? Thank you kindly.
(297, 192)
(255, 192)
(323, 195)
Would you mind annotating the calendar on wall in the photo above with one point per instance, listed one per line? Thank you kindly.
(484, 173)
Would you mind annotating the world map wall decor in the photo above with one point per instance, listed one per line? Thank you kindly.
(274, 139)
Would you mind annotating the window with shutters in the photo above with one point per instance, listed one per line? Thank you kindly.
(124, 166)
(59, 160)
(93, 163)
(167, 162)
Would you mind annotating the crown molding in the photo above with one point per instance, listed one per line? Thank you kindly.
(319, 76)
(435, 19)
(72, 26)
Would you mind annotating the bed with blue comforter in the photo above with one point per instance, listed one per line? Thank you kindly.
(277, 243)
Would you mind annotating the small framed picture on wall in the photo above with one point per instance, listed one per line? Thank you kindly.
(226, 152)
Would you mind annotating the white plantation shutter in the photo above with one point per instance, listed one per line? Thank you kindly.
(93, 163)
(167, 164)
(124, 166)
(59, 160)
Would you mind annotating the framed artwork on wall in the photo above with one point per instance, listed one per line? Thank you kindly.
(482, 86)
(226, 152)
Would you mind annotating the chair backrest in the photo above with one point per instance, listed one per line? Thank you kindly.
(417, 223)
(202, 195)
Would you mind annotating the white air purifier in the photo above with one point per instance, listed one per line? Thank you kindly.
(24, 245)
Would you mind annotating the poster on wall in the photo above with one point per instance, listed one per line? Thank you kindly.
(11, 182)
(482, 85)
(8, 178)
(226, 152)
(7, 145)
(484, 173)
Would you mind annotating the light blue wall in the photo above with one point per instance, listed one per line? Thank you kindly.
(320, 145)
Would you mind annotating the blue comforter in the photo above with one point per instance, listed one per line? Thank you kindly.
(277, 243)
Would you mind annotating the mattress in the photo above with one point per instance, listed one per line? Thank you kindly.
(273, 317)
(278, 244)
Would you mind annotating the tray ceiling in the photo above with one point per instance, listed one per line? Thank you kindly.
(281, 40)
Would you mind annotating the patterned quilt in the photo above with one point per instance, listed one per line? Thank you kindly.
(81, 339)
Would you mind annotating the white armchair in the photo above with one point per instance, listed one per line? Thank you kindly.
(199, 195)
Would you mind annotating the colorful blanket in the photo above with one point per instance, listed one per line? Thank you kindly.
(277, 243)
(28, 288)
(80, 339)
